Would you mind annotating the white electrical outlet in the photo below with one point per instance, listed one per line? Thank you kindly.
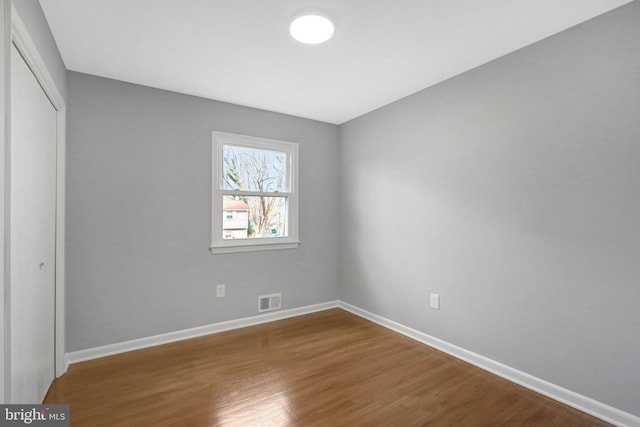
(220, 291)
(434, 301)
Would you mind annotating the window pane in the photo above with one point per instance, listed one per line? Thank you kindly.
(254, 217)
(252, 169)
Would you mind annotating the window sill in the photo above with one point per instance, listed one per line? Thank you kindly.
(253, 247)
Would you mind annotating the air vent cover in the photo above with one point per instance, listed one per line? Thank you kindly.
(269, 302)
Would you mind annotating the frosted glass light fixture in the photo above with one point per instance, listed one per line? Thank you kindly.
(311, 29)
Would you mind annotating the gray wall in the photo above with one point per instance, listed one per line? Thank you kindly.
(513, 191)
(138, 214)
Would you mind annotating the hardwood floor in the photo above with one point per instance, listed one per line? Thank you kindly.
(324, 369)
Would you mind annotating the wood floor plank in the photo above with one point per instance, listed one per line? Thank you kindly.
(324, 369)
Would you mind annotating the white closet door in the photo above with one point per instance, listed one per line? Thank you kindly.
(33, 228)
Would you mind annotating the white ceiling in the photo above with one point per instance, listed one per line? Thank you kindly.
(239, 51)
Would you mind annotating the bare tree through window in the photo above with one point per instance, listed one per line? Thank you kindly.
(259, 171)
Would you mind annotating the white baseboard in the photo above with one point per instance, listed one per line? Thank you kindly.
(585, 404)
(137, 344)
(66, 365)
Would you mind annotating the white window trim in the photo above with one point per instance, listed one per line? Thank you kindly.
(222, 246)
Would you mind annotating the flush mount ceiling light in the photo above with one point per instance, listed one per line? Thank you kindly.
(311, 29)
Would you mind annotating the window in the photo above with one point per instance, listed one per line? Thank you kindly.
(255, 194)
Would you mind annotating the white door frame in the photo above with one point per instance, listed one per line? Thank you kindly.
(24, 43)
(5, 105)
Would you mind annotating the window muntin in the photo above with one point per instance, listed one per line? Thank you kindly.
(254, 197)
